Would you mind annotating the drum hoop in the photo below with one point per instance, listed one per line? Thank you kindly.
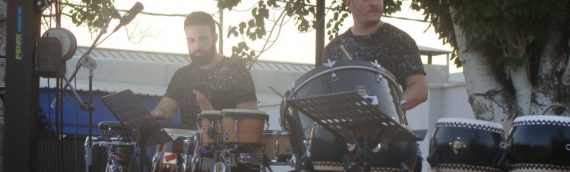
(244, 112)
(470, 123)
(537, 166)
(382, 71)
(542, 120)
(469, 167)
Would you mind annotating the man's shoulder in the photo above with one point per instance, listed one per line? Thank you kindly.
(395, 32)
(338, 39)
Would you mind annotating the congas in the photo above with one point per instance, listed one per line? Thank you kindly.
(276, 146)
(243, 126)
(176, 155)
(539, 143)
(327, 151)
(466, 145)
(210, 127)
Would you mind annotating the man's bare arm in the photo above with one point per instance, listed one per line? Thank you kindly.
(165, 108)
(247, 105)
(416, 92)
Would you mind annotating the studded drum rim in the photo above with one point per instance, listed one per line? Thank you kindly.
(520, 167)
(470, 123)
(466, 167)
(542, 120)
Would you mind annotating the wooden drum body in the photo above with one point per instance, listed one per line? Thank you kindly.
(276, 146)
(466, 145)
(210, 127)
(242, 126)
(539, 143)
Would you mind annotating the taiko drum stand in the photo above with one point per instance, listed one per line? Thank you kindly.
(350, 116)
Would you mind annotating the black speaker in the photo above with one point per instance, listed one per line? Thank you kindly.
(49, 59)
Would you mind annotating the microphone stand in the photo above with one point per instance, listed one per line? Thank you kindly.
(86, 61)
(90, 64)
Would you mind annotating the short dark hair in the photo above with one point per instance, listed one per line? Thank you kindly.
(200, 18)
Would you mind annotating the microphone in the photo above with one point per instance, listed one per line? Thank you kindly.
(131, 14)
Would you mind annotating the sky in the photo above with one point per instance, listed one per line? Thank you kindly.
(165, 33)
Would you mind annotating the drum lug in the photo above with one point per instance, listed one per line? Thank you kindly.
(307, 143)
(377, 148)
(376, 64)
(351, 147)
(291, 86)
(293, 161)
(330, 64)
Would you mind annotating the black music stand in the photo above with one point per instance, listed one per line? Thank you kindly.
(136, 118)
(348, 114)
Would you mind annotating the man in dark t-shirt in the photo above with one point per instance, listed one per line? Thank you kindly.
(372, 40)
(394, 50)
(210, 82)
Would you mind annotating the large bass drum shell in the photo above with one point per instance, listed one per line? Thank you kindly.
(326, 149)
(467, 145)
(539, 143)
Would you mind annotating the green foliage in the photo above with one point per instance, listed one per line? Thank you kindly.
(303, 13)
(516, 28)
(91, 13)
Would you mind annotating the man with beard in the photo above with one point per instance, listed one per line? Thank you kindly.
(210, 82)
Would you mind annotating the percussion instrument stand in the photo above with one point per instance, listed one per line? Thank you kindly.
(349, 115)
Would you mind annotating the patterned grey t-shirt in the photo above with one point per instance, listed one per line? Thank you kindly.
(225, 85)
(394, 49)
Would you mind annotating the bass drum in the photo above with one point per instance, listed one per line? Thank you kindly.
(326, 151)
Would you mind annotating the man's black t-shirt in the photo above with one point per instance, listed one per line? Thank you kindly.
(225, 85)
(394, 49)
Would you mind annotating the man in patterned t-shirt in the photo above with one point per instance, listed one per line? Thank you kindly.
(371, 39)
(210, 82)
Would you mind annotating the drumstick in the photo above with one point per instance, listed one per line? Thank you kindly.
(345, 52)
(275, 91)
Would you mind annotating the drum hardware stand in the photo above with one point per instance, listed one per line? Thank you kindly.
(236, 129)
(132, 114)
(357, 112)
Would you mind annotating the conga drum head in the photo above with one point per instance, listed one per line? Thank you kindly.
(539, 143)
(243, 126)
(210, 115)
(460, 144)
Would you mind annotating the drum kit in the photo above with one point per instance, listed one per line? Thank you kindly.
(346, 116)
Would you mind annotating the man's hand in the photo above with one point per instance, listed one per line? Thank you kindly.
(203, 102)
(165, 108)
